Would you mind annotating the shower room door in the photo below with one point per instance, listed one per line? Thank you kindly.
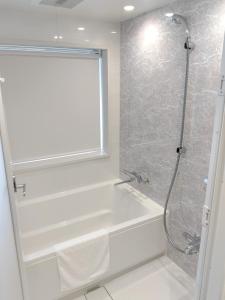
(9, 271)
(210, 277)
(10, 246)
(20, 273)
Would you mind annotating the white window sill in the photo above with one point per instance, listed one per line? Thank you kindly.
(25, 166)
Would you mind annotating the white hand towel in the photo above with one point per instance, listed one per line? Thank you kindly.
(83, 260)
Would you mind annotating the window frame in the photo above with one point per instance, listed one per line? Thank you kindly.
(86, 154)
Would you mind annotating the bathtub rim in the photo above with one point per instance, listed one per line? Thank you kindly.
(49, 253)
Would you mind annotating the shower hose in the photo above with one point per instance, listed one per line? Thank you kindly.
(180, 150)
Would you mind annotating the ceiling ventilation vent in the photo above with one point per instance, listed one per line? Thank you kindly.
(61, 3)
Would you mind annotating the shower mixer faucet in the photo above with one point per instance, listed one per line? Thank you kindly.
(194, 242)
(133, 177)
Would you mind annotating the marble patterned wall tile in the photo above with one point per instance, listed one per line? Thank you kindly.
(152, 83)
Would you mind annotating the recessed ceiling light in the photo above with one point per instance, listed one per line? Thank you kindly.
(81, 28)
(129, 8)
(169, 15)
(87, 41)
(58, 37)
(114, 32)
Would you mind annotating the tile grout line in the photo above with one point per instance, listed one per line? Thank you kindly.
(108, 293)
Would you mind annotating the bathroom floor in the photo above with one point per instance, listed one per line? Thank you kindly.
(160, 279)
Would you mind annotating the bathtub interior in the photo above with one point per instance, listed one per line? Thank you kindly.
(54, 219)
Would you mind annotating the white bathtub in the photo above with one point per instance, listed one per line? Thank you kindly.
(134, 223)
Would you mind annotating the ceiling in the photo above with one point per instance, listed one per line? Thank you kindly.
(101, 10)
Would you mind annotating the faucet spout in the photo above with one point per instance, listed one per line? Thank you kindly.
(123, 182)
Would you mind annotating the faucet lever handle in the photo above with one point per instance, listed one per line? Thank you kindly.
(129, 173)
(136, 177)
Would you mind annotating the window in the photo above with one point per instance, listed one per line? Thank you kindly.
(55, 102)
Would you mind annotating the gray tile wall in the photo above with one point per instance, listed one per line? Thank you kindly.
(152, 76)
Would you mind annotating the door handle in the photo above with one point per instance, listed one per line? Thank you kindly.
(17, 187)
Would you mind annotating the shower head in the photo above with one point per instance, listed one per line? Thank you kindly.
(179, 20)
